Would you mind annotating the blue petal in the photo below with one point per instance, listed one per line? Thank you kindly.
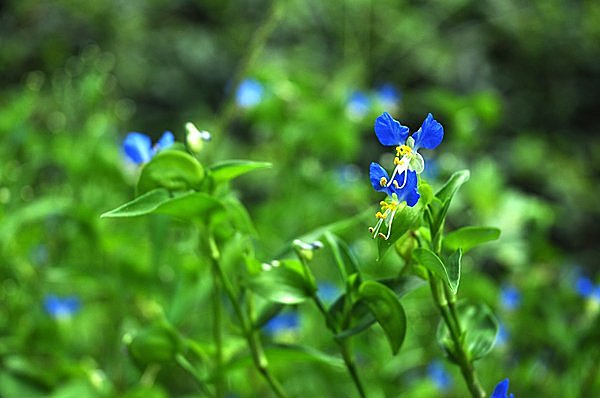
(138, 147)
(249, 93)
(375, 173)
(388, 94)
(501, 390)
(430, 134)
(165, 141)
(584, 286)
(285, 321)
(389, 131)
(409, 191)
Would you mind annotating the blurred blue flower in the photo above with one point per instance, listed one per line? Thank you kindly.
(249, 93)
(388, 95)
(358, 105)
(585, 287)
(501, 390)
(439, 375)
(327, 292)
(284, 322)
(503, 335)
(138, 146)
(60, 308)
(397, 192)
(510, 297)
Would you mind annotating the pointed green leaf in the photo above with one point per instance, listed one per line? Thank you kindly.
(144, 204)
(171, 169)
(453, 266)
(456, 180)
(433, 263)
(186, 205)
(284, 283)
(480, 328)
(387, 310)
(230, 169)
(468, 237)
(345, 259)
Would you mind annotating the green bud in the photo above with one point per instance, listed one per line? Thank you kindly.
(155, 344)
(195, 138)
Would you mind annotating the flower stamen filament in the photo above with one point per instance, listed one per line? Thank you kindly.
(386, 214)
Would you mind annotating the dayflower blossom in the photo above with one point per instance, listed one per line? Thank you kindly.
(61, 308)
(388, 96)
(358, 105)
(397, 194)
(283, 323)
(510, 297)
(586, 288)
(249, 93)
(439, 375)
(501, 390)
(138, 146)
(391, 133)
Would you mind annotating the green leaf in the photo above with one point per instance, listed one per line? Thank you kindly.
(433, 263)
(187, 205)
(286, 354)
(157, 343)
(468, 237)
(456, 180)
(171, 169)
(480, 328)
(387, 310)
(230, 169)
(285, 283)
(441, 203)
(345, 259)
(453, 266)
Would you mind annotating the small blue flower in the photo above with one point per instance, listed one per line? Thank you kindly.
(249, 93)
(60, 308)
(284, 322)
(391, 133)
(327, 292)
(510, 297)
(388, 95)
(501, 390)
(397, 192)
(439, 375)
(503, 336)
(358, 105)
(585, 287)
(138, 146)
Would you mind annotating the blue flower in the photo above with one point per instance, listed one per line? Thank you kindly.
(503, 335)
(391, 133)
(249, 93)
(439, 375)
(60, 308)
(284, 322)
(501, 390)
(138, 146)
(388, 95)
(358, 105)
(397, 192)
(585, 287)
(327, 292)
(510, 297)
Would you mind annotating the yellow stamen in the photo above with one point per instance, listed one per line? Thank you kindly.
(379, 215)
(403, 150)
(396, 184)
(371, 229)
(383, 181)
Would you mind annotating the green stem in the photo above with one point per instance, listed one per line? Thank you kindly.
(189, 368)
(461, 357)
(217, 333)
(344, 349)
(251, 336)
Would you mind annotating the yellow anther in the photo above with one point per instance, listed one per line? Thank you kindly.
(383, 181)
(371, 229)
(397, 161)
(382, 203)
(379, 215)
(396, 184)
(403, 150)
(382, 236)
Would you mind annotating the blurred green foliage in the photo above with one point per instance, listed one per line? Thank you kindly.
(514, 83)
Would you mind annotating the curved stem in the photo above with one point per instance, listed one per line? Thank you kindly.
(189, 368)
(452, 322)
(345, 349)
(251, 336)
(217, 333)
